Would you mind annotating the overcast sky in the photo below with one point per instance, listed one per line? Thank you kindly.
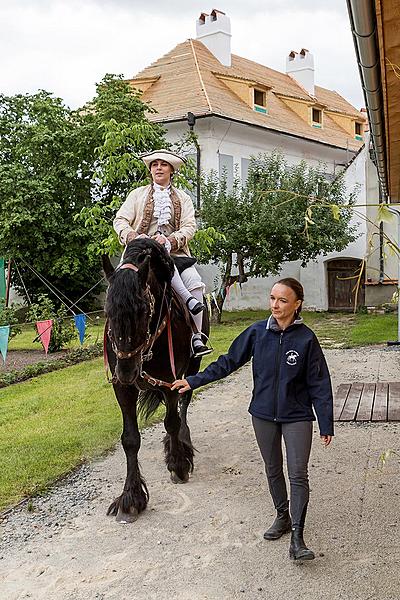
(66, 46)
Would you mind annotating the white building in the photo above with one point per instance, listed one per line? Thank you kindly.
(243, 108)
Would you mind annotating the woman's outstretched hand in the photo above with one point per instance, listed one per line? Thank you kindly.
(326, 439)
(181, 385)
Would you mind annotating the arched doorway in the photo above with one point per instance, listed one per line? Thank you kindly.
(342, 282)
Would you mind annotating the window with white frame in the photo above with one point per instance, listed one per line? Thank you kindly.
(225, 169)
(244, 167)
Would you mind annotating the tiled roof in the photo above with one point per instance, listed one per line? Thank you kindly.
(190, 78)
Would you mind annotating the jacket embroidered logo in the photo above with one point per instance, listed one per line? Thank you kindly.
(291, 357)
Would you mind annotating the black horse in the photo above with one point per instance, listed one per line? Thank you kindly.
(147, 344)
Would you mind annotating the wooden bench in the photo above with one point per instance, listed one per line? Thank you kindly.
(367, 402)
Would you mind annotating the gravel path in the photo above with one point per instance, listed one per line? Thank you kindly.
(18, 359)
(203, 540)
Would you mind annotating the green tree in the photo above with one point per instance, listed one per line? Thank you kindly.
(282, 213)
(40, 188)
(49, 166)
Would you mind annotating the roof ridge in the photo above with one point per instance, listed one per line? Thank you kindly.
(203, 87)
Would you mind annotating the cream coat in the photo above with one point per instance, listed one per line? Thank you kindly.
(130, 216)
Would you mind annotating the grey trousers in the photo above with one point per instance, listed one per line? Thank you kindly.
(297, 437)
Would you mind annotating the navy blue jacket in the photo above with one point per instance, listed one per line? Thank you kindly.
(290, 373)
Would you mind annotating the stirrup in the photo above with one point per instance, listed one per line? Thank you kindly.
(201, 349)
(197, 308)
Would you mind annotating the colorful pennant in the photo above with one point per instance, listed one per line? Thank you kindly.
(80, 324)
(44, 330)
(4, 335)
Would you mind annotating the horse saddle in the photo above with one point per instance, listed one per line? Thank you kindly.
(183, 262)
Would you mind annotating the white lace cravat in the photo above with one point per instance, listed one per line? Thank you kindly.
(162, 204)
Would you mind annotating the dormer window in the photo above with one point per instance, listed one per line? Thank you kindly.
(358, 131)
(316, 117)
(260, 100)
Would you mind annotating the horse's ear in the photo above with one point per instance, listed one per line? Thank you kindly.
(144, 268)
(107, 266)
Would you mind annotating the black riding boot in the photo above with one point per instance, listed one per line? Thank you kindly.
(281, 525)
(298, 549)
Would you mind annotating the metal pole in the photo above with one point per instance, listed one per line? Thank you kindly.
(396, 212)
(8, 284)
(191, 119)
(198, 173)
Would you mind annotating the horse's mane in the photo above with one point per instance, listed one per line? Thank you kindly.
(125, 301)
(161, 263)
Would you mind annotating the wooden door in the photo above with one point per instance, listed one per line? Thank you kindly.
(342, 281)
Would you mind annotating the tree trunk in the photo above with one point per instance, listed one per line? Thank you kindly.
(227, 280)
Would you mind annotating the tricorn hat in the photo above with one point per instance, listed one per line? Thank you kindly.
(171, 158)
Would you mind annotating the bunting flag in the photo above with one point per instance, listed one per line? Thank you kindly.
(2, 279)
(4, 335)
(80, 324)
(44, 330)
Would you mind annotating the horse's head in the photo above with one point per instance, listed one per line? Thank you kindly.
(130, 305)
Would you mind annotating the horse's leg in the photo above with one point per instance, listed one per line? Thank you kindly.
(184, 401)
(135, 496)
(184, 431)
(178, 451)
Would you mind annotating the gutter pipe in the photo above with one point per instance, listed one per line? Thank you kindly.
(364, 29)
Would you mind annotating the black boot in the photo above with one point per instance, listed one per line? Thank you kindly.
(281, 525)
(298, 549)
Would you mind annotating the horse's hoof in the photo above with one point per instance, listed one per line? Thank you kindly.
(176, 479)
(130, 517)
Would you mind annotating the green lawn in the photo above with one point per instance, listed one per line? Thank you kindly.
(50, 424)
(345, 330)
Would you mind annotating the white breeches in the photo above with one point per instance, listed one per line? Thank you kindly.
(192, 279)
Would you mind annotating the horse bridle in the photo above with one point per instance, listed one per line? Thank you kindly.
(150, 339)
(121, 355)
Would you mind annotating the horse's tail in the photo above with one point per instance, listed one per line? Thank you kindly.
(148, 402)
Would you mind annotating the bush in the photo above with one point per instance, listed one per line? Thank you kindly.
(63, 330)
(73, 357)
(8, 316)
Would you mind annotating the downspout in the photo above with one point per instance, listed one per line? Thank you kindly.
(396, 212)
(363, 25)
(381, 241)
(191, 119)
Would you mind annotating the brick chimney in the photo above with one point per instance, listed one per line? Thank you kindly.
(301, 68)
(214, 31)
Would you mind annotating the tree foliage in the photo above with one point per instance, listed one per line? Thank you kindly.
(49, 171)
(283, 213)
(63, 329)
(9, 316)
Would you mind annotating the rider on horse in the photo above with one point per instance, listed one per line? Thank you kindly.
(166, 214)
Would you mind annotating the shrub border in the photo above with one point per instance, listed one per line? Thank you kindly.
(72, 358)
